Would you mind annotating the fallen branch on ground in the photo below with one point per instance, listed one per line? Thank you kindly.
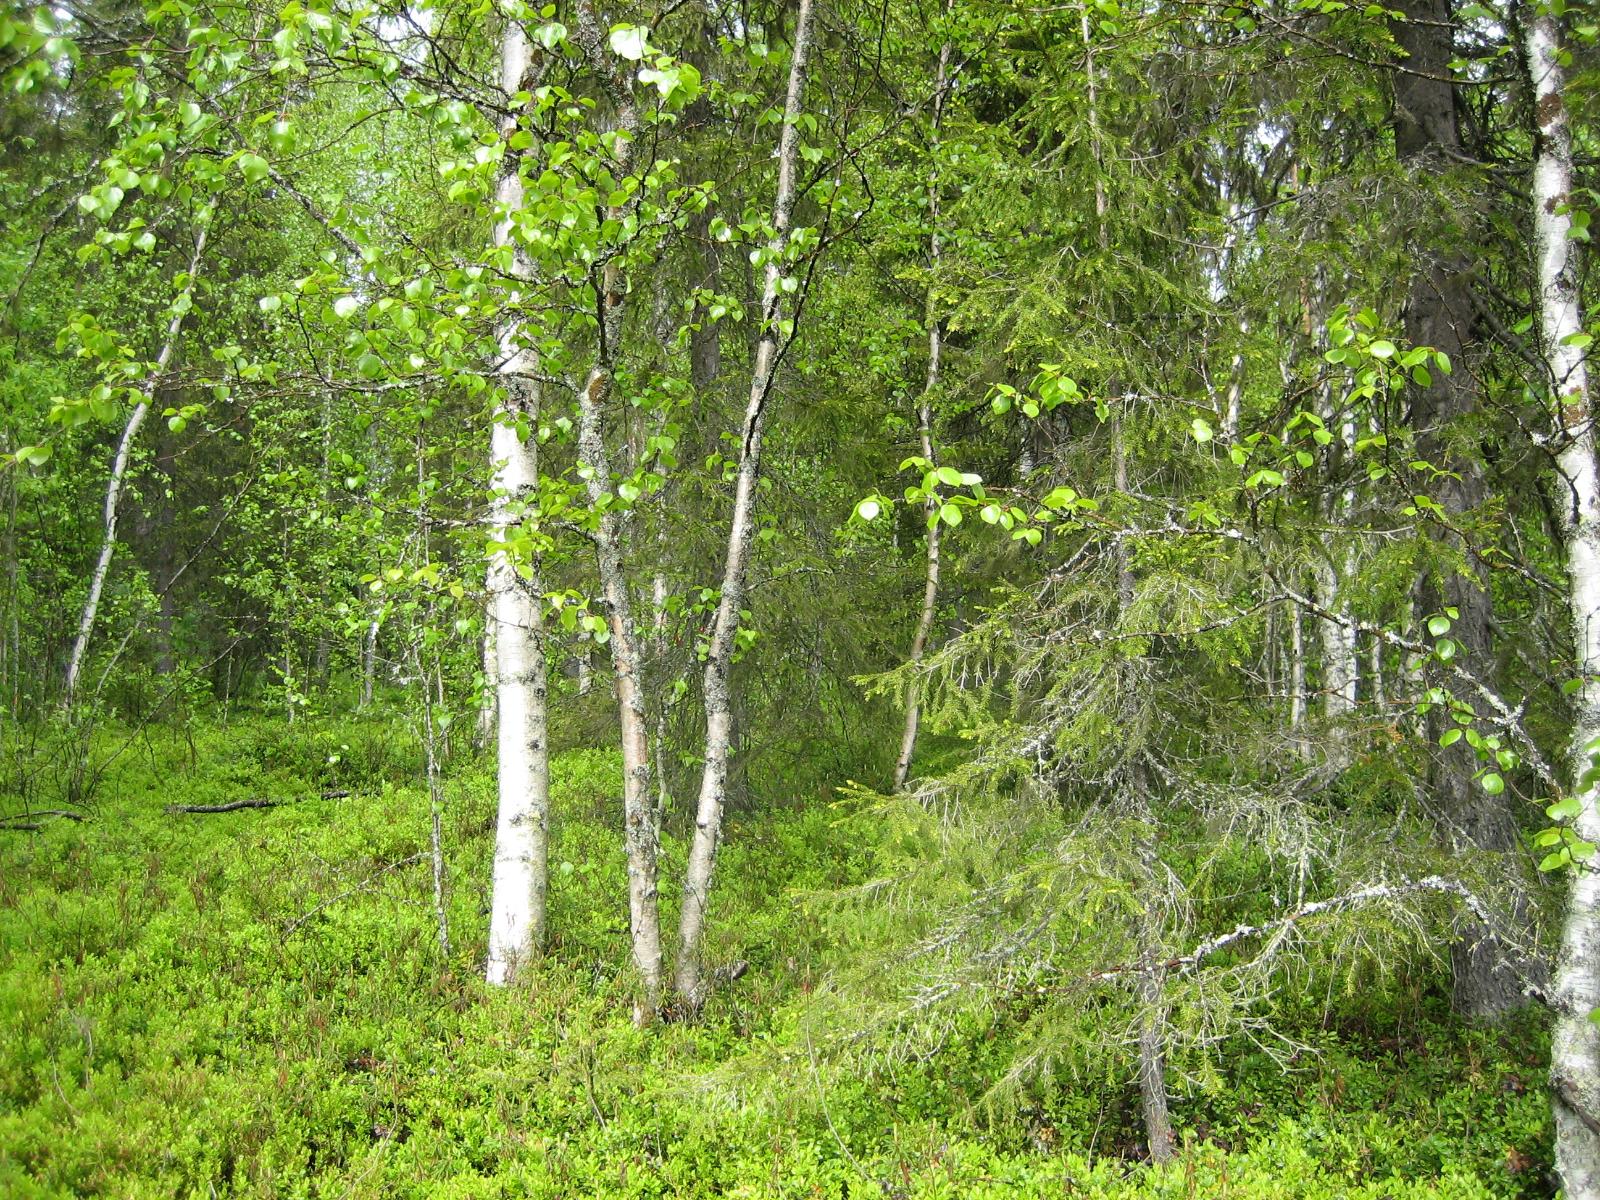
(258, 802)
(30, 820)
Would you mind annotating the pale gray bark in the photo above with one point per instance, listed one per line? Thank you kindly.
(491, 679)
(1336, 640)
(441, 914)
(741, 537)
(119, 471)
(930, 585)
(521, 849)
(1575, 1043)
(1159, 1136)
(369, 662)
(640, 833)
(1297, 673)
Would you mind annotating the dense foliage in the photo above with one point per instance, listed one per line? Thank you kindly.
(798, 598)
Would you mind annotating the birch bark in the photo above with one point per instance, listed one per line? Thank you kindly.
(741, 535)
(521, 853)
(641, 836)
(119, 471)
(1575, 1044)
(930, 586)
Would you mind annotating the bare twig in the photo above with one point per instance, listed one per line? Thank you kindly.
(359, 888)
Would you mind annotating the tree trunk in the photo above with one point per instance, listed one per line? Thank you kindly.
(491, 677)
(369, 663)
(1159, 1137)
(1575, 1044)
(741, 536)
(640, 834)
(441, 914)
(1297, 675)
(119, 471)
(1335, 636)
(1440, 314)
(930, 586)
(521, 852)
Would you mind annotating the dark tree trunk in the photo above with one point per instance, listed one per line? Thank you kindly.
(1439, 313)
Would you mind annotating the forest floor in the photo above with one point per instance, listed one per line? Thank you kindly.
(253, 1003)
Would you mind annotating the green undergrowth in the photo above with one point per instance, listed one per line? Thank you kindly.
(254, 1004)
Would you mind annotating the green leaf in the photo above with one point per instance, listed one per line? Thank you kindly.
(1381, 349)
(345, 307)
(254, 167)
(868, 509)
(1439, 626)
(1493, 784)
(1201, 430)
(950, 514)
(269, 304)
(1555, 860)
(1564, 809)
(629, 41)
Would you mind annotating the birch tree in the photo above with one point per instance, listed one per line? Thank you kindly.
(1575, 1045)
(641, 836)
(931, 565)
(119, 467)
(741, 535)
(517, 917)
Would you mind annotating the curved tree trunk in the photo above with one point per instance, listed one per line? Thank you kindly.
(930, 586)
(119, 471)
(741, 536)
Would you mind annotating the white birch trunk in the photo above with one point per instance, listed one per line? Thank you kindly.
(1575, 1043)
(741, 535)
(1337, 637)
(119, 471)
(521, 850)
(1235, 396)
(640, 834)
(930, 586)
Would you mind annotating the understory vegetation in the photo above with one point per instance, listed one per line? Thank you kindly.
(252, 1004)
